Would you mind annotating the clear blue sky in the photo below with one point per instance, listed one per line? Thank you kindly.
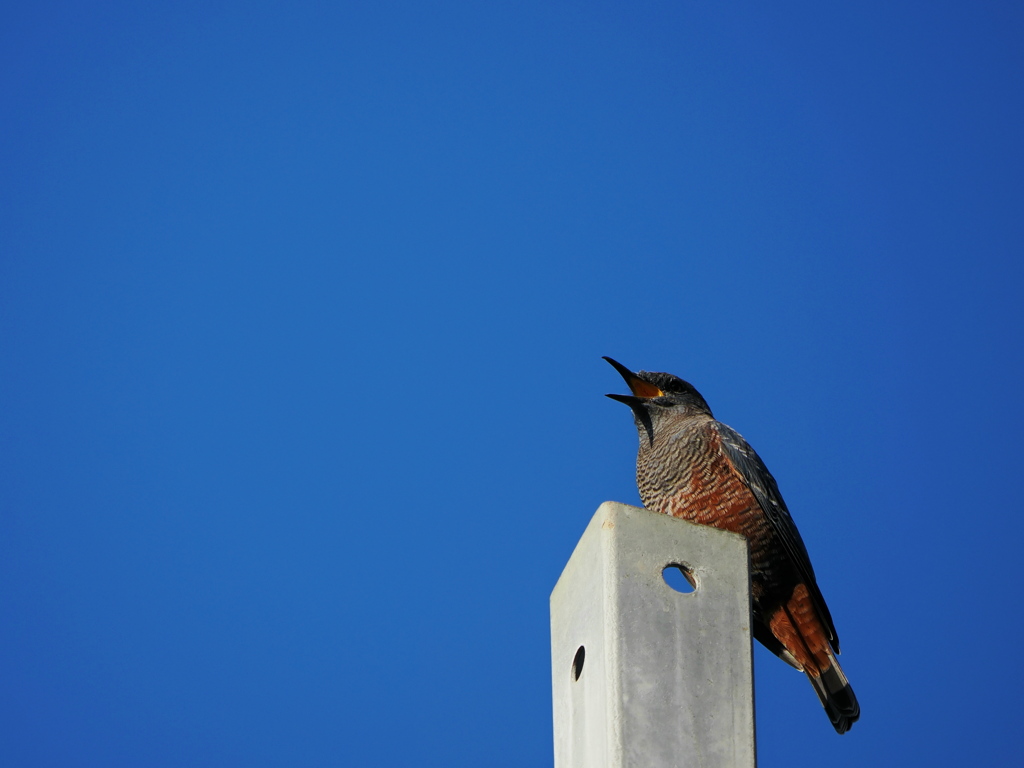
(301, 314)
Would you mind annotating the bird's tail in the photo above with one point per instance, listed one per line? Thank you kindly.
(836, 694)
(800, 632)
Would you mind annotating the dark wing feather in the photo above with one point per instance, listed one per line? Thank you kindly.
(766, 491)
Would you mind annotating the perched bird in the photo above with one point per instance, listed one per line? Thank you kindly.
(701, 470)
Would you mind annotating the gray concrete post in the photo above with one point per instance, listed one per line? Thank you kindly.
(644, 676)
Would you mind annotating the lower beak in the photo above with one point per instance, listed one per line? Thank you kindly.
(629, 400)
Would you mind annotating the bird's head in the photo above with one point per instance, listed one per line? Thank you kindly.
(658, 396)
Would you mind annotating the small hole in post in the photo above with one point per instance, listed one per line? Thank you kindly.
(680, 578)
(577, 663)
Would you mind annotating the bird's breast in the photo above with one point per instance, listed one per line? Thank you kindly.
(688, 475)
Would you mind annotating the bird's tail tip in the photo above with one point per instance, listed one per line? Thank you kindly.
(836, 695)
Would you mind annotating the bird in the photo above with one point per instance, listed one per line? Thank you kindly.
(696, 468)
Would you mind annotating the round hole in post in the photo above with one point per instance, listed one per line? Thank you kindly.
(577, 663)
(680, 578)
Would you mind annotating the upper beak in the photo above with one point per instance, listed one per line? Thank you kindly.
(642, 390)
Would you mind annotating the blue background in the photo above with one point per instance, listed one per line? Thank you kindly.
(301, 315)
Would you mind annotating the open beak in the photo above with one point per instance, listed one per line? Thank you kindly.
(642, 390)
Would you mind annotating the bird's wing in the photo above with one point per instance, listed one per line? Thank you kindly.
(766, 491)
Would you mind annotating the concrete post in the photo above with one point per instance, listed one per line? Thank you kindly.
(644, 676)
